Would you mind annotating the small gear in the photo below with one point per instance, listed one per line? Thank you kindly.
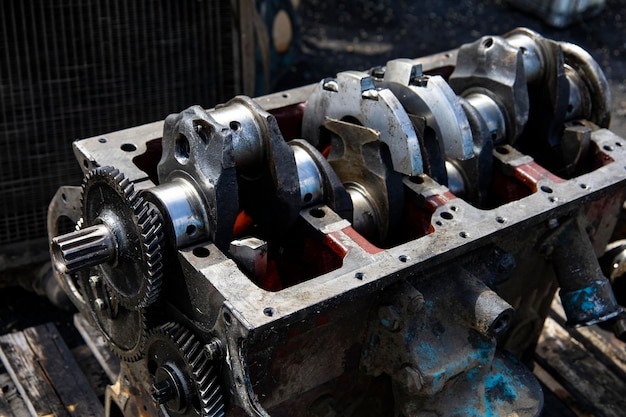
(134, 275)
(184, 380)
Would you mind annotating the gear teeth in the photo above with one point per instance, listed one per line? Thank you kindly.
(149, 232)
(198, 367)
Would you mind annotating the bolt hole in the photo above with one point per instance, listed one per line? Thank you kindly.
(502, 150)
(359, 276)
(500, 219)
(201, 252)
(269, 311)
(403, 258)
(500, 324)
(447, 216)
(317, 213)
(546, 189)
(102, 140)
(416, 180)
(227, 318)
(488, 43)
(584, 186)
(235, 125)
(607, 148)
(182, 149)
(618, 144)
(464, 235)
(285, 95)
(308, 197)
(128, 147)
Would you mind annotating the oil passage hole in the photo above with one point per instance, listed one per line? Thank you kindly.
(102, 140)
(308, 197)
(235, 125)
(403, 258)
(227, 318)
(269, 311)
(488, 43)
(128, 147)
(447, 216)
(464, 235)
(454, 208)
(546, 189)
(500, 219)
(359, 275)
(191, 230)
(182, 148)
(607, 148)
(317, 213)
(201, 252)
(584, 186)
(618, 144)
(553, 199)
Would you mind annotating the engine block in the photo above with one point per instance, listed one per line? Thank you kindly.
(382, 243)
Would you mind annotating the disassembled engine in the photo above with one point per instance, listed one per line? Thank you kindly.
(382, 243)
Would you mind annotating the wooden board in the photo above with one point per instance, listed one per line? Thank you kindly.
(46, 375)
(584, 367)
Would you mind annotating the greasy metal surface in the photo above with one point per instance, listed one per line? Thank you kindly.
(463, 264)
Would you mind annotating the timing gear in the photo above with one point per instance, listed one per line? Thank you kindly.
(127, 229)
(124, 330)
(184, 380)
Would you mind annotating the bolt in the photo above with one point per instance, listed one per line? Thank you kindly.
(214, 350)
(420, 81)
(378, 72)
(330, 85)
(390, 317)
(416, 303)
(553, 223)
(94, 281)
(100, 304)
(410, 379)
(370, 94)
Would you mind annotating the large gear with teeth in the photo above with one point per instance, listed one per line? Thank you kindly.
(134, 275)
(184, 380)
